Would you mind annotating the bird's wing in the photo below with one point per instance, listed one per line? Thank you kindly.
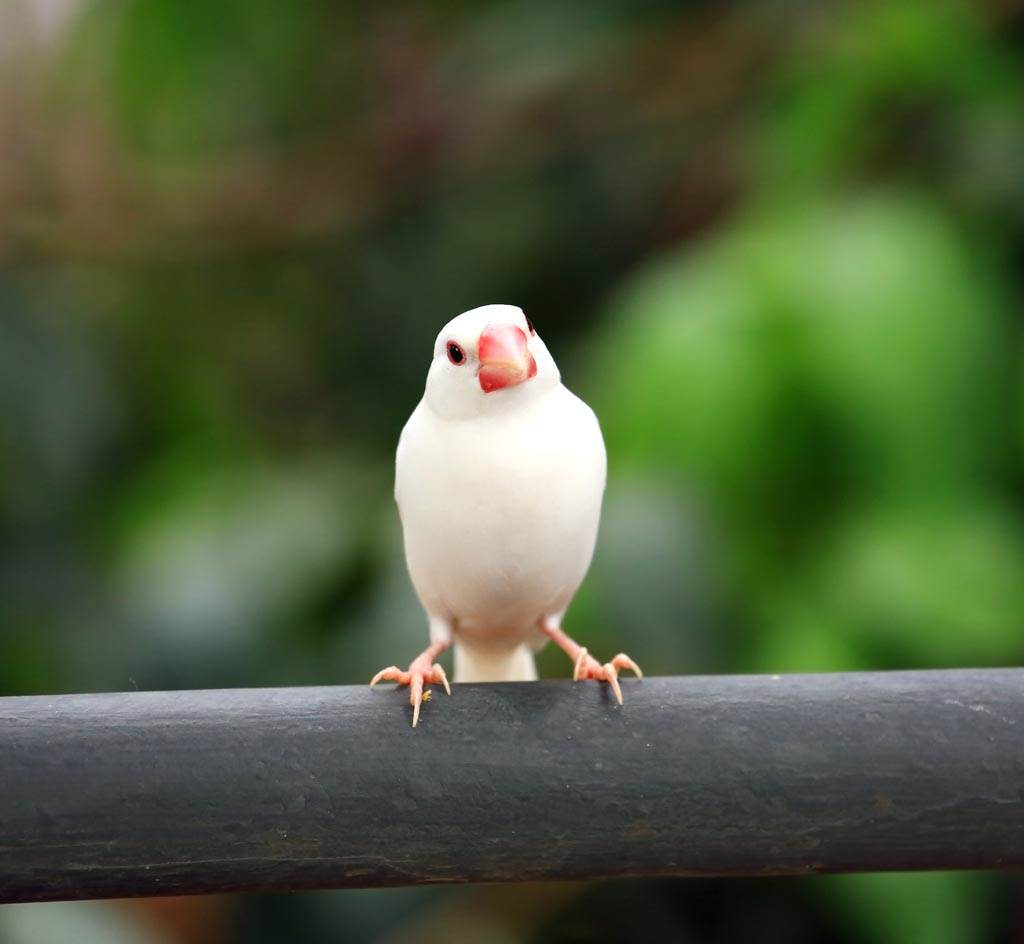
(409, 432)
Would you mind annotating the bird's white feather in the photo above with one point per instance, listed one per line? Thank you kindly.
(500, 499)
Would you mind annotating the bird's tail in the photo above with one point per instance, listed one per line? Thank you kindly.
(486, 664)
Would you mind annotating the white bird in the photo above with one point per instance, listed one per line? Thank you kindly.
(499, 477)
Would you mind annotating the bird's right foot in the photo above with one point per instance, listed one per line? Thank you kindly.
(585, 666)
(422, 671)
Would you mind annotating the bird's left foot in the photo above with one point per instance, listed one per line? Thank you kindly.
(587, 667)
(422, 670)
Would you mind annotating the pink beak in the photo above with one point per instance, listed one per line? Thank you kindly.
(504, 358)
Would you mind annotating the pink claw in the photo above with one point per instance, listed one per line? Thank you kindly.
(579, 670)
(585, 665)
(391, 674)
(622, 661)
(611, 676)
(439, 676)
(421, 670)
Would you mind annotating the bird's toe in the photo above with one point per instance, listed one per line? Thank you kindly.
(611, 675)
(622, 661)
(440, 676)
(391, 674)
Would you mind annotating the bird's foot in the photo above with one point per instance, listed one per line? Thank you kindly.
(587, 667)
(584, 664)
(422, 670)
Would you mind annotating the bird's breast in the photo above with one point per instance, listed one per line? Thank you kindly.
(500, 519)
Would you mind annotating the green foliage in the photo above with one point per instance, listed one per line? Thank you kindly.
(894, 89)
(185, 77)
(826, 377)
(773, 245)
(938, 907)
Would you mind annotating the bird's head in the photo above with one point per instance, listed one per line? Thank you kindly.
(489, 359)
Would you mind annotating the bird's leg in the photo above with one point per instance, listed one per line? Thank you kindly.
(584, 664)
(422, 670)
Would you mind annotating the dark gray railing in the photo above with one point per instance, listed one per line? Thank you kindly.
(188, 792)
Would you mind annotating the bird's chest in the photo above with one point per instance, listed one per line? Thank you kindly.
(499, 518)
(510, 498)
(481, 490)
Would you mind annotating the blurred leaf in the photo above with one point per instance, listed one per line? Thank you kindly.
(188, 77)
(942, 588)
(937, 907)
(906, 344)
(858, 95)
(235, 549)
(795, 633)
(825, 377)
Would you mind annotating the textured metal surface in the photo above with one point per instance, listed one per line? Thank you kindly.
(182, 792)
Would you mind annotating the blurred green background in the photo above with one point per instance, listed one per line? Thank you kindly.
(777, 246)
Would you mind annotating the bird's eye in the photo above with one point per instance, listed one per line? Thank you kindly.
(455, 353)
(529, 324)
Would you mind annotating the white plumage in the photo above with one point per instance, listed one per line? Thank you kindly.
(500, 473)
